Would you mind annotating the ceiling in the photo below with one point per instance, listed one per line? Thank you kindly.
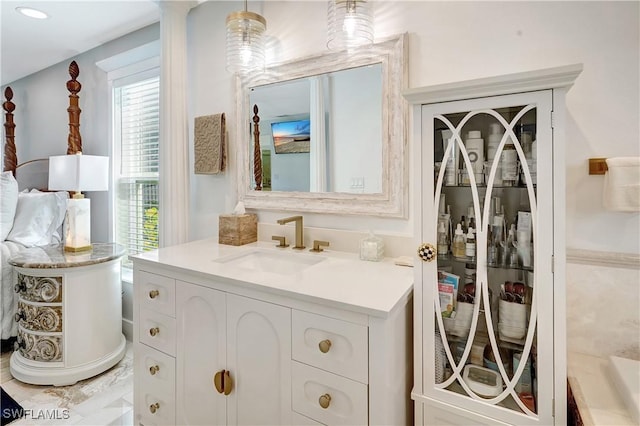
(29, 45)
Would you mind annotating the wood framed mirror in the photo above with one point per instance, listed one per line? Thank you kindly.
(348, 106)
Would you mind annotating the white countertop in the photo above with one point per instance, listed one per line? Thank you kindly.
(340, 280)
(597, 398)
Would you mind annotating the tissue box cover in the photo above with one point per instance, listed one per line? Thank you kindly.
(237, 229)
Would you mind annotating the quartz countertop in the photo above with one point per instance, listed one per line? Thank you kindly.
(54, 256)
(596, 396)
(340, 280)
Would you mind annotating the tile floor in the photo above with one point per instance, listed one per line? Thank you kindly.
(106, 399)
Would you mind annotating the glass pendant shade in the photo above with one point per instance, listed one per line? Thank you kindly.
(350, 24)
(245, 42)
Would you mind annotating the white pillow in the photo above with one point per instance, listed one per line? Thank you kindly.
(8, 203)
(38, 217)
(61, 201)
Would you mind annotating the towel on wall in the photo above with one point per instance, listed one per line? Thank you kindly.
(209, 144)
(622, 184)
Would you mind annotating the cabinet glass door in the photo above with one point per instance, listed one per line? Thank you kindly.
(491, 286)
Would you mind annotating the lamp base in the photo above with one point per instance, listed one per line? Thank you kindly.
(77, 249)
(77, 224)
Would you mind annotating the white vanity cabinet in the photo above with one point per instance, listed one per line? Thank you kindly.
(489, 323)
(210, 351)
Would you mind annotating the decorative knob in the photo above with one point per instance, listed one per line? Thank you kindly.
(154, 407)
(154, 293)
(154, 369)
(324, 346)
(20, 316)
(325, 400)
(153, 331)
(427, 252)
(20, 287)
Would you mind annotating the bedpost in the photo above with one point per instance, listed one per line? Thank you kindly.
(257, 153)
(74, 142)
(10, 157)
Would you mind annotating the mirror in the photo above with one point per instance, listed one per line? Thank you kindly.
(332, 133)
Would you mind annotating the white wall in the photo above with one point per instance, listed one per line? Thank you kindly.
(451, 41)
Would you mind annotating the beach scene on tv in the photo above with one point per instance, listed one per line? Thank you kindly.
(291, 137)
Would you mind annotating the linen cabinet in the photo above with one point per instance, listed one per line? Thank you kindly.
(489, 291)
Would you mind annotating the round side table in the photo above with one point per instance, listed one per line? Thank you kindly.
(69, 314)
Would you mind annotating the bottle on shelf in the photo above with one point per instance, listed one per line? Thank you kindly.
(459, 243)
(474, 144)
(451, 166)
(494, 141)
(443, 243)
(509, 160)
(470, 244)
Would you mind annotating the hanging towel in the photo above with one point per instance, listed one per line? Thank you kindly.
(209, 144)
(622, 184)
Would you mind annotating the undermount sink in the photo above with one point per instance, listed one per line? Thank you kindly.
(284, 263)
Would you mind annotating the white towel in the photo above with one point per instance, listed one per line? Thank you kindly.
(622, 184)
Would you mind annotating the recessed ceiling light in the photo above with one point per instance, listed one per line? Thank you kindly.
(32, 13)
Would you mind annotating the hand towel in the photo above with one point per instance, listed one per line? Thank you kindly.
(209, 144)
(622, 184)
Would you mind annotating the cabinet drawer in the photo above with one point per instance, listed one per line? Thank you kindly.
(337, 346)
(155, 369)
(347, 404)
(158, 331)
(38, 347)
(154, 407)
(157, 293)
(39, 317)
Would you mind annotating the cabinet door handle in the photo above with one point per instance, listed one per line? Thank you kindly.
(20, 287)
(325, 400)
(20, 316)
(153, 370)
(217, 381)
(324, 346)
(227, 382)
(19, 344)
(154, 293)
(154, 331)
(154, 407)
(427, 252)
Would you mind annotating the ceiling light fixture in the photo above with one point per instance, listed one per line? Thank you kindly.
(350, 24)
(32, 13)
(245, 41)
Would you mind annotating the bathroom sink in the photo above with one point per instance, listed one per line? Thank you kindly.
(277, 262)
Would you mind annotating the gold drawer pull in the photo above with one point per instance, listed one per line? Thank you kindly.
(154, 369)
(325, 400)
(324, 346)
(154, 407)
(154, 293)
(153, 331)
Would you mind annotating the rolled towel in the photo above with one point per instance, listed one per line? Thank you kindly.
(209, 144)
(622, 184)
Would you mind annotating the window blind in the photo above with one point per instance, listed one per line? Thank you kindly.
(136, 134)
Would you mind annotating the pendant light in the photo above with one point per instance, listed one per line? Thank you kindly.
(245, 41)
(350, 24)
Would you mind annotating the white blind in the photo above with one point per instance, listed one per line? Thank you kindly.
(136, 130)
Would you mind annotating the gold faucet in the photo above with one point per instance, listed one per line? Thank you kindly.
(299, 237)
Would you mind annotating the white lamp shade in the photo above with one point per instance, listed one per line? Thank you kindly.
(78, 173)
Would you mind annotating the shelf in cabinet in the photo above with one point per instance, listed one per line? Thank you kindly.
(493, 186)
(472, 261)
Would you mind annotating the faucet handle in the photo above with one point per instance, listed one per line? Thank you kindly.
(318, 244)
(282, 241)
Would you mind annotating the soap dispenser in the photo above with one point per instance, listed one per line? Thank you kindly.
(371, 248)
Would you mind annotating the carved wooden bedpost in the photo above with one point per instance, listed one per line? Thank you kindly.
(10, 157)
(74, 142)
(257, 153)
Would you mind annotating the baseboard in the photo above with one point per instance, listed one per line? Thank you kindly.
(127, 329)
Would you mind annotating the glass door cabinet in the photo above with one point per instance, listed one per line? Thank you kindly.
(489, 292)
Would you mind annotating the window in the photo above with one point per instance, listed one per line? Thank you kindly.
(136, 130)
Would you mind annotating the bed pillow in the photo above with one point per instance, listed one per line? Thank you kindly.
(61, 201)
(8, 203)
(38, 216)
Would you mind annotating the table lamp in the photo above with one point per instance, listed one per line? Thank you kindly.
(78, 173)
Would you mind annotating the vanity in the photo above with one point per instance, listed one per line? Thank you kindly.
(260, 335)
